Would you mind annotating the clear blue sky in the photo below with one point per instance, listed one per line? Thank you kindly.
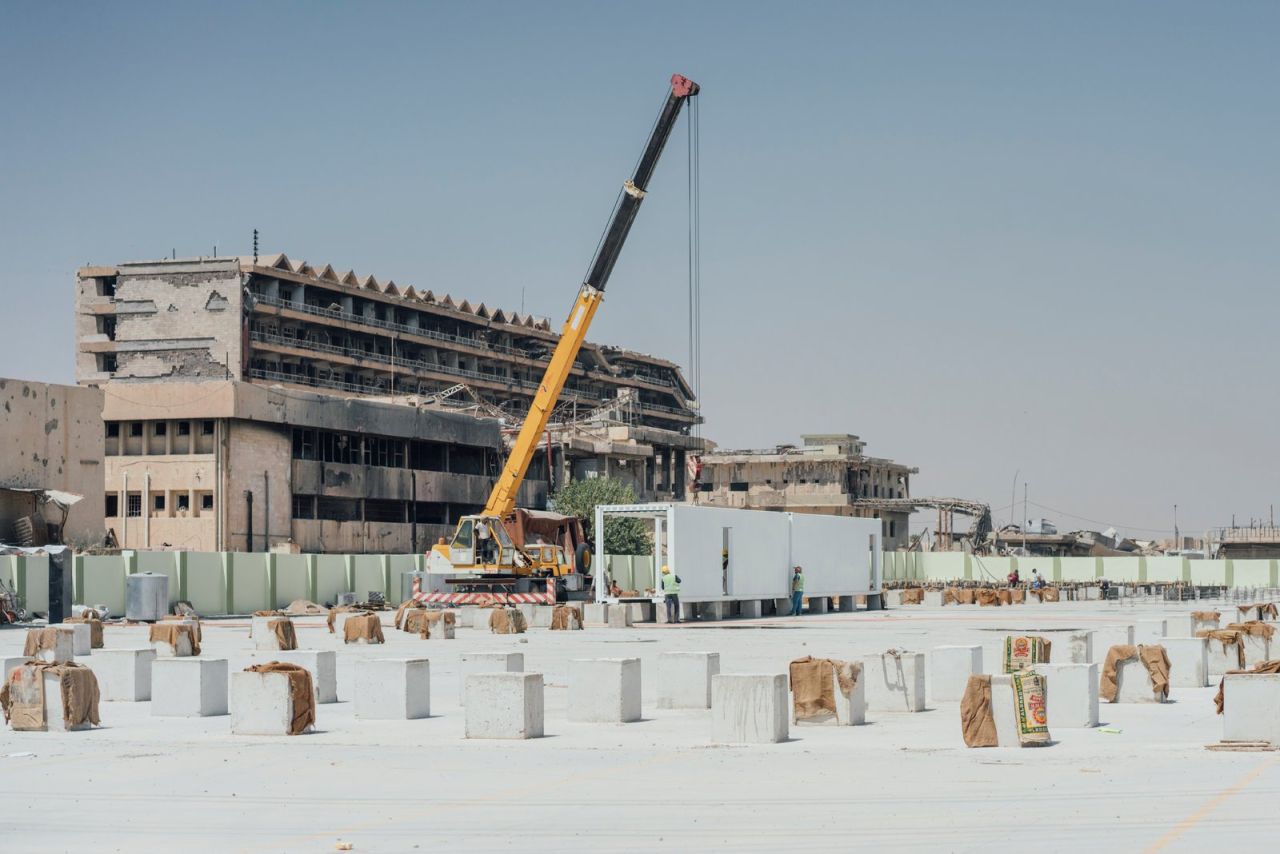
(984, 236)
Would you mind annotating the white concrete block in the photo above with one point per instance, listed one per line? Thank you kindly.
(1003, 712)
(895, 683)
(1071, 693)
(949, 670)
(339, 624)
(1221, 658)
(53, 709)
(487, 662)
(440, 630)
(1204, 625)
(263, 637)
(1180, 626)
(819, 605)
(1251, 707)
(321, 664)
(749, 709)
(1134, 683)
(504, 705)
(641, 612)
(1256, 650)
(851, 709)
(64, 649)
(480, 618)
(751, 609)
(124, 674)
(81, 638)
(933, 598)
(1071, 648)
(393, 688)
(180, 649)
(1149, 631)
(541, 617)
(261, 703)
(1108, 636)
(713, 610)
(595, 612)
(684, 679)
(604, 690)
(528, 610)
(1188, 661)
(191, 687)
(619, 617)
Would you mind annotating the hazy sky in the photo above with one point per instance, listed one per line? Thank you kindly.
(986, 237)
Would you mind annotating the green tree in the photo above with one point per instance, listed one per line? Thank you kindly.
(621, 536)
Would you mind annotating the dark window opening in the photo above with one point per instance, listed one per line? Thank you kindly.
(184, 501)
(206, 428)
(379, 510)
(738, 486)
(158, 501)
(160, 428)
(184, 428)
(304, 507)
(113, 506)
(133, 504)
(206, 501)
(337, 509)
(135, 429)
(113, 430)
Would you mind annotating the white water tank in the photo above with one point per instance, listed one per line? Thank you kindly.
(146, 596)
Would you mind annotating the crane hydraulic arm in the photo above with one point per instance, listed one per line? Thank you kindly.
(502, 500)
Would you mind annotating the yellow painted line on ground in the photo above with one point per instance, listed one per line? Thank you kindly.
(1209, 806)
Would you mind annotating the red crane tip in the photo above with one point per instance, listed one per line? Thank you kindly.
(683, 87)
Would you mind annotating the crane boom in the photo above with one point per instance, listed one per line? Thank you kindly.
(502, 500)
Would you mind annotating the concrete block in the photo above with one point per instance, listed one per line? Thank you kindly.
(619, 617)
(1002, 711)
(181, 649)
(819, 605)
(688, 612)
(1256, 650)
(781, 607)
(713, 610)
(595, 612)
(189, 687)
(1251, 707)
(851, 709)
(81, 638)
(528, 610)
(641, 612)
(261, 703)
(321, 664)
(487, 662)
(604, 690)
(124, 674)
(480, 618)
(949, 670)
(1221, 658)
(339, 625)
(1149, 631)
(1108, 636)
(263, 637)
(933, 598)
(1188, 661)
(684, 679)
(1205, 625)
(440, 630)
(504, 705)
(64, 649)
(1134, 683)
(10, 662)
(751, 609)
(895, 683)
(749, 709)
(849, 604)
(53, 710)
(393, 689)
(541, 617)
(1071, 692)
(1071, 648)
(1180, 626)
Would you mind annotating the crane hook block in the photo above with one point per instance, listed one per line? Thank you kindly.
(683, 87)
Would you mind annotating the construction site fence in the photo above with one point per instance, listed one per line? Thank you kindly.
(1157, 569)
(216, 583)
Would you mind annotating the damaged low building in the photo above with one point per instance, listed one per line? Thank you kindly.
(51, 473)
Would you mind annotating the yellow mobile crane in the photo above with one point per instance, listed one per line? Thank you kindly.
(485, 560)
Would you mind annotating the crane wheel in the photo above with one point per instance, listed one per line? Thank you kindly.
(582, 558)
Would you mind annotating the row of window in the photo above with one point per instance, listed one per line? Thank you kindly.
(332, 446)
(178, 502)
(137, 429)
(329, 508)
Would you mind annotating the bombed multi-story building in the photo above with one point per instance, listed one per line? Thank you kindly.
(304, 333)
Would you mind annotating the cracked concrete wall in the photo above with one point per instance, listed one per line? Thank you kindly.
(51, 437)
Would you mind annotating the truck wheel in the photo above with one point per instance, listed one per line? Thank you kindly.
(582, 558)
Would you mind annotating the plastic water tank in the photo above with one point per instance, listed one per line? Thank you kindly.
(146, 596)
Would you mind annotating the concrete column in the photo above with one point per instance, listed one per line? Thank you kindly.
(846, 604)
(180, 569)
(313, 581)
(228, 582)
(271, 580)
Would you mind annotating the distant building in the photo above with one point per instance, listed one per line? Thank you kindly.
(829, 474)
(50, 442)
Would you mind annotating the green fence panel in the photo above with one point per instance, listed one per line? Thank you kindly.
(291, 579)
(205, 585)
(331, 578)
(103, 582)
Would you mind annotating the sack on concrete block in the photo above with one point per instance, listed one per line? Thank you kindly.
(366, 627)
(1264, 610)
(564, 619)
(813, 686)
(1005, 596)
(987, 596)
(977, 723)
(1017, 596)
(912, 596)
(1023, 652)
(1226, 637)
(1219, 699)
(1206, 616)
(406, 606)
(1153, 657)
(949, 596)
(341, 609)
(507, 621)
(301, 692)
(965, 596)
(22, 696)
(283, 630)
(187, 617)
(170, 632)
(1254, 628)
(1046, 594)
(431, 621)
(95, 628)
(38, 639)
(1030, 707)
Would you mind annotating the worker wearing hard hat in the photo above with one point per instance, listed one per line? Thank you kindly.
(797, 591)
(671, 594)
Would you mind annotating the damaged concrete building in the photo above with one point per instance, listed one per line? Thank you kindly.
(51, 473)
(828, 473)
(164, 327)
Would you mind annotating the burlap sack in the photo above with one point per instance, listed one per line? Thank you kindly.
(912, 596)
(170, 632)
(405, 606)
(38, 639)
(269, 614)
(432, 621)
(565, 618)
(304, 608)
(286, 637)
(814, 682)
(1046, 594)
(1206, 616)
(193, 619)
(22, 696)
(1030, 706)
(1219, 699)
(1017, 596)
(331, 621)
(1006, 596)
(1254, 628)
(366, 627)
(1153, 657)
(1021, 652)
(977, 723)
(95, 629)
(949, 596)
(1226, 637)
(986, 596)
(302, 695)
(1263, 610)
(507, 621)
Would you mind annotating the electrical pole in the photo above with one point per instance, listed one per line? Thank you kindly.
(1025, 520)
(1177, 543)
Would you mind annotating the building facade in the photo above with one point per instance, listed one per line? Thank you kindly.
(50, 441)
(275, 322)
(232, 466)
(828, 473)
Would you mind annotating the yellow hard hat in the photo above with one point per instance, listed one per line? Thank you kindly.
(665, 569)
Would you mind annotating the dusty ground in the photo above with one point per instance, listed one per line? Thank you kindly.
(902, 781)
